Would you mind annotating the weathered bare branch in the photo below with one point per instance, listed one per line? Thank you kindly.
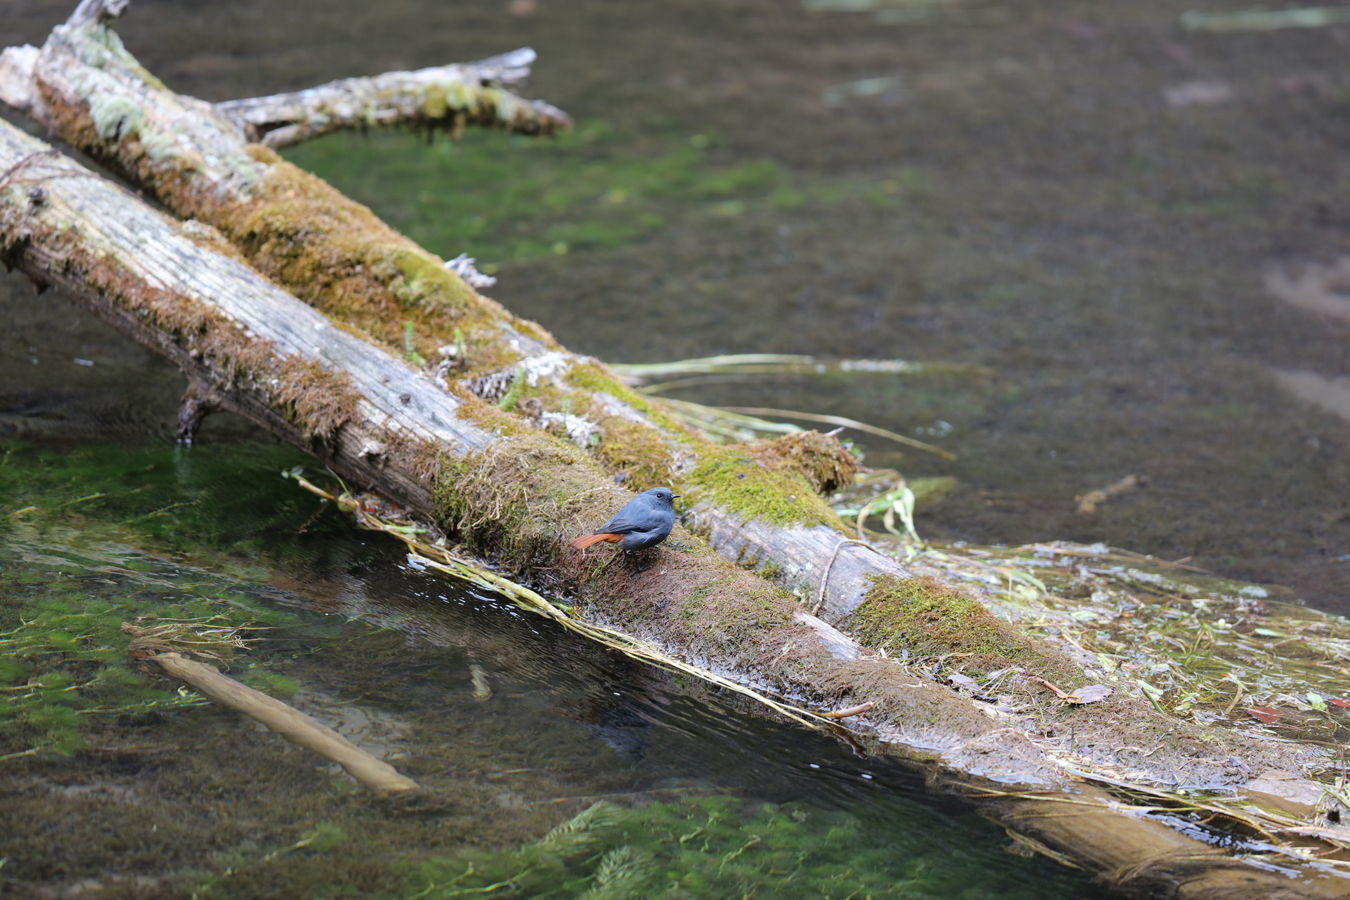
(97, 12)
(447, 97)
(263, 354)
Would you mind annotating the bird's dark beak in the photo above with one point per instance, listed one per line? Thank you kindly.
(674, 496)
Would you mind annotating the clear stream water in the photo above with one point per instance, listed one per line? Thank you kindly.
(1019, 195)
(115, 783)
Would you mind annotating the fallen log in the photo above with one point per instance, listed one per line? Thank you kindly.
(513, 489)
(764, 511)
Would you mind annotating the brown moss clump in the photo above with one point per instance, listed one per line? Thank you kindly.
(319, 401)
(931, 621)
(485, 415)
(337, 256)
(824, 462)
(522, 498)
(638, 454)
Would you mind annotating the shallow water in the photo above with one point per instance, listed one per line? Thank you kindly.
(1024, 198)
(111, 778)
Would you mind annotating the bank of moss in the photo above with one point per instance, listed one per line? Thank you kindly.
(737, 481)
(639, 454)
(926, 620)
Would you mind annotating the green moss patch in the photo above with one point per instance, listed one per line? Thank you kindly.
(737, 481)
(716, 846)
(921, 617)
(593, 377)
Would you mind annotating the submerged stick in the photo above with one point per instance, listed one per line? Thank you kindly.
(289, 722)
(851, 711)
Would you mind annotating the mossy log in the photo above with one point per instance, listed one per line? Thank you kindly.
(762, 508)
(513, 489)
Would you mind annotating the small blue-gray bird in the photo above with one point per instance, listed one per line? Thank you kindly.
(643, 522)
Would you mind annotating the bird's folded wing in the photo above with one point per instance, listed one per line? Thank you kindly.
(621, 524)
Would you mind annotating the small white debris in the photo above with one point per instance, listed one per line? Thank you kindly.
(462, 266)
(1198, 93)
(547, 365)
(578, 429)
(891, 89)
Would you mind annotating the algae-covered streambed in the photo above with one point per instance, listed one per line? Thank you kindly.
(561, 770)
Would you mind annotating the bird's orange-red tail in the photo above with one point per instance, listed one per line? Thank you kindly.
(586, 540)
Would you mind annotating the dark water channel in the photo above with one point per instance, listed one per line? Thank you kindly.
(1022, 195)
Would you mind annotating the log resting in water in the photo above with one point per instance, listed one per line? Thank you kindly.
(339, 258)
(430, 440)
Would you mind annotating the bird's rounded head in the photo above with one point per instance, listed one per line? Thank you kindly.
(665, 495)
